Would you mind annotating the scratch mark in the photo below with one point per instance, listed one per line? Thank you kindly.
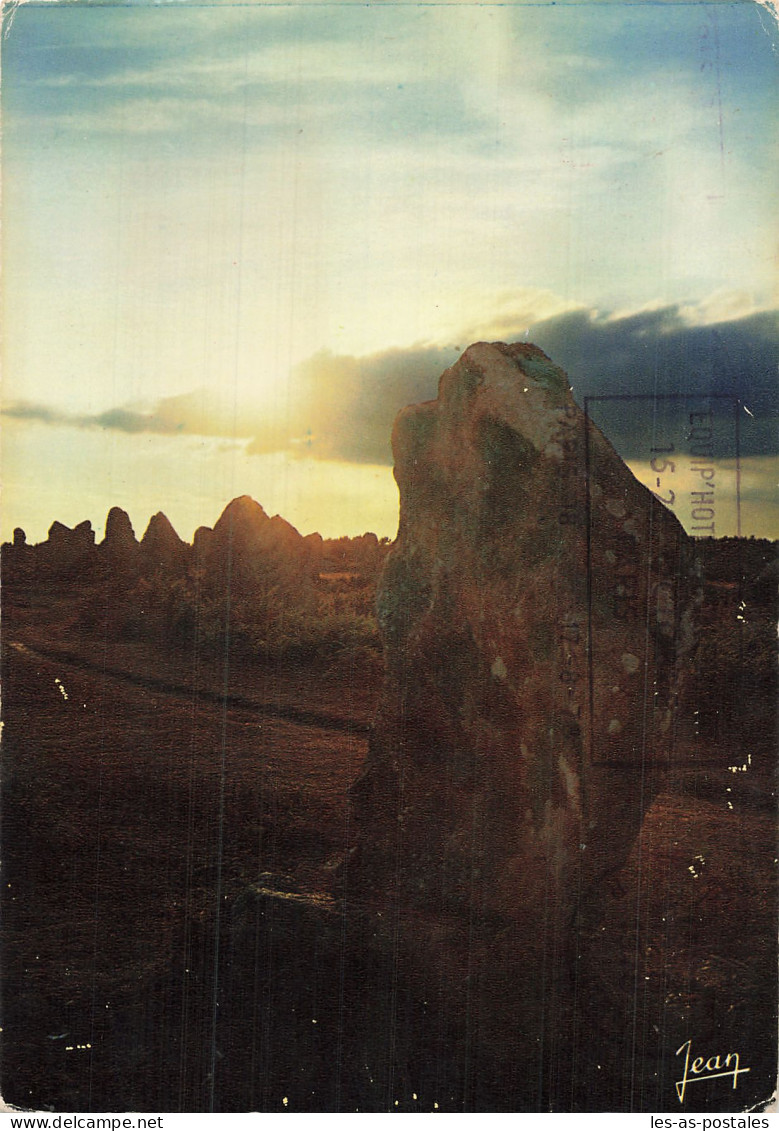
(10, 12)
(772, 9)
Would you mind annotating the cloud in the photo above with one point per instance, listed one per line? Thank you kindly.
(358, 69)
(43, 414)
(347, 404)
(198, 413)
(457, 72)
(573, 149)
(658, 352)
(506, 315)
(338, 408)
(341, 407)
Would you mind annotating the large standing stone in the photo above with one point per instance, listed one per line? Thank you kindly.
(66, 554)
(162, 549)
(531, 611)
(248, 554)
(119, 550)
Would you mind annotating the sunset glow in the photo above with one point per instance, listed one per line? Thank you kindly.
(237, 240)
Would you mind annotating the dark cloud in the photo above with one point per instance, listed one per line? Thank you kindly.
(346, 405)
(125, 420)
(186, 414)
(350, 402)
(655, 354)
(117, 419)
(161, 420)
(24, 410)
(342, 407)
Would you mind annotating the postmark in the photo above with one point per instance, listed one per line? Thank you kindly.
(689, 460)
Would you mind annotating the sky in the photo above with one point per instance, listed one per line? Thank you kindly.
(238, 239)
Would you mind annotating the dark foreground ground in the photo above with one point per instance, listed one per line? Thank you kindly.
(175, 935)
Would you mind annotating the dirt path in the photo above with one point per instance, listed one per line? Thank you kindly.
(224, 697)
(130, 813)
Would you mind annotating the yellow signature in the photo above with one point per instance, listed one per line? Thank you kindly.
(702, 1068)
